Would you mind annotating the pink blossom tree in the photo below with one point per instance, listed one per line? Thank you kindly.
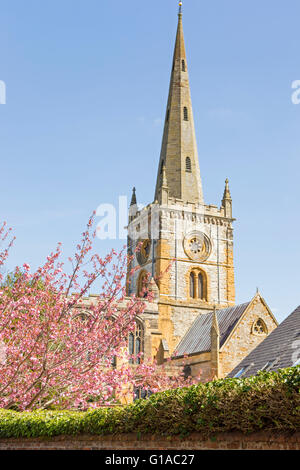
(57, 352)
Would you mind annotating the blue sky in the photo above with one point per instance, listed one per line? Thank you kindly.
(87, 87)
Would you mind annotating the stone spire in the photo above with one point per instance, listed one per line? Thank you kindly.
(179, 152)
(133, 197)
(133, 206)
(227, 201)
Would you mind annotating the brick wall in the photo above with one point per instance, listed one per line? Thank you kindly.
(230, 441)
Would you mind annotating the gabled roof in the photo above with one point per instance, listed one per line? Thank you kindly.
(198, 337)
(279, 349)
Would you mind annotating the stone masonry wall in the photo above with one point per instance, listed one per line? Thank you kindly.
(244, 340)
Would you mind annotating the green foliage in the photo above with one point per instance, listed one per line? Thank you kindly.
(269, 401)
(13, 278)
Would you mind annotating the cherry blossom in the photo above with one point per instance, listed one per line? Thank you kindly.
(59, 347)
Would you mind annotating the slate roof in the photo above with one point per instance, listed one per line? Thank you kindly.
(280, 346)
(197, 339)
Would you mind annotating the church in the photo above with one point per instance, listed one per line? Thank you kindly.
(181, 249)
(187, 253)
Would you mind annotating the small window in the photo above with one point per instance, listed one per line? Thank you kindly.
(168, 115)
(143, 280)
(192, 286)
(138, 347)
(183, 65)
(259, 327)
(240, 373)
(135, 344)
(267, 366)
(188, 165)
(185, 114)
(131, 344)
(200, 286)
(243, 371)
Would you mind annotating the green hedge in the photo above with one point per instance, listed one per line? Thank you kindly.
(268, 401)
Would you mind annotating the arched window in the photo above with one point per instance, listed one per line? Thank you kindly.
(183, 65)
(185, 114)
(198, 285)
(168, 115)
(188, 165)
(192, 285)
(142, 284)
(136, 343)
(259, 327)
(131, 343)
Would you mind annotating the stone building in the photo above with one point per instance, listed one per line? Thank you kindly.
(217, 341)
(185, 255)
(279, 350)
(186, 249)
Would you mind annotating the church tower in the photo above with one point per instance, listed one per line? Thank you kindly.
(186, 245)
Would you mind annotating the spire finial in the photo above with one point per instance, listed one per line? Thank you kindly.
(133, 198)
(227, 190)
(180, 8)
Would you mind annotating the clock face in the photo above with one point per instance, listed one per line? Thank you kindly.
(144, 252)
(197, 246)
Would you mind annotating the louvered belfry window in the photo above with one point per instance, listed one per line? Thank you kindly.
(197, 285)
(192, 286)
(188, 165)
(200, 286)
(185, 114)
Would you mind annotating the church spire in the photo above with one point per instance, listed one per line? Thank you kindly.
(133, 206)
(133, 197)
(179, 153)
